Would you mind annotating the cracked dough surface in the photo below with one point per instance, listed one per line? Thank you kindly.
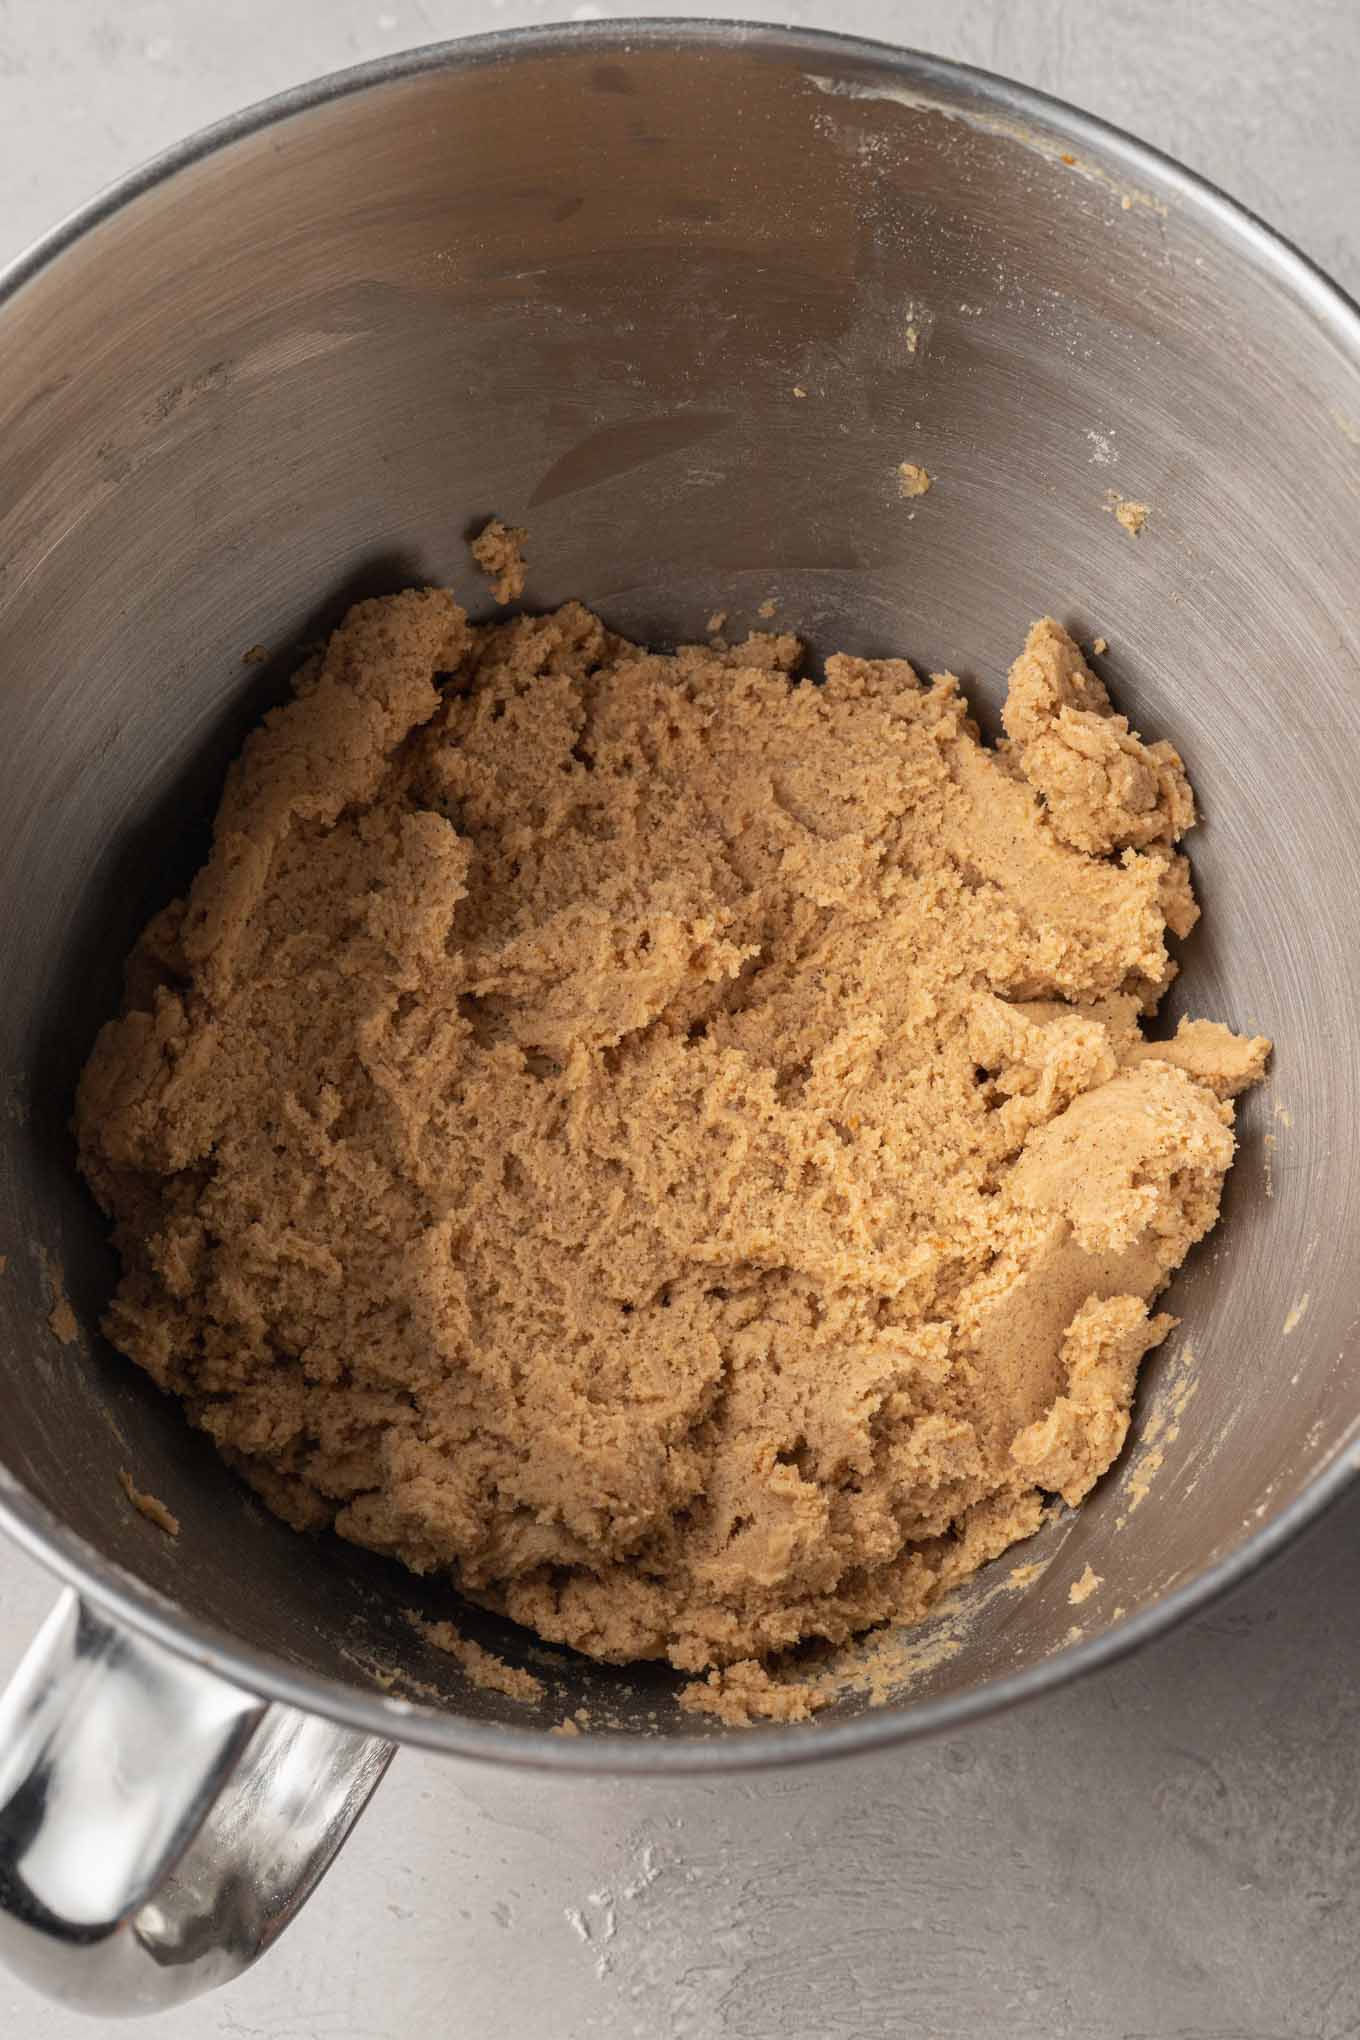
(672, 1149)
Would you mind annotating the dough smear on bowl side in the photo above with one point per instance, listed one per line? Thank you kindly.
(671, 1148)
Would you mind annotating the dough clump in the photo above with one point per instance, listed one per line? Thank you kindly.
(499, 551)
(668, 1147)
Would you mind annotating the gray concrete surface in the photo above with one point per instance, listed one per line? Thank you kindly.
(1168, 1852)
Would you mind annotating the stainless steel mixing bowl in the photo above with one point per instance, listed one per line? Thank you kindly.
(681, 299)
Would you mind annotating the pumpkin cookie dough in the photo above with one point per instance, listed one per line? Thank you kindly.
(499, 551)
(670, 1148)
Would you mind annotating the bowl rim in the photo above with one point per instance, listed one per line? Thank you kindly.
(963, 91)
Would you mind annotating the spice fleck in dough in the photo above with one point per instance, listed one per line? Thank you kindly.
(670, 1148)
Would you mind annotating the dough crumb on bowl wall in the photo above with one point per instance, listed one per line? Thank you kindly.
(482, 1666)
(668, 1146)
(148, 1505)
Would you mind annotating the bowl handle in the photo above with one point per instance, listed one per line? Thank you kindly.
(158, 1827)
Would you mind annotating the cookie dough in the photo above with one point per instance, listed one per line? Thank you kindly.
(498, 550)
(1132, 516)
(483, 1668)
(150, 1506)
(669, 1148)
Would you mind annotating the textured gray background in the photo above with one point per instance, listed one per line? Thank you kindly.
(1170, 1851)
